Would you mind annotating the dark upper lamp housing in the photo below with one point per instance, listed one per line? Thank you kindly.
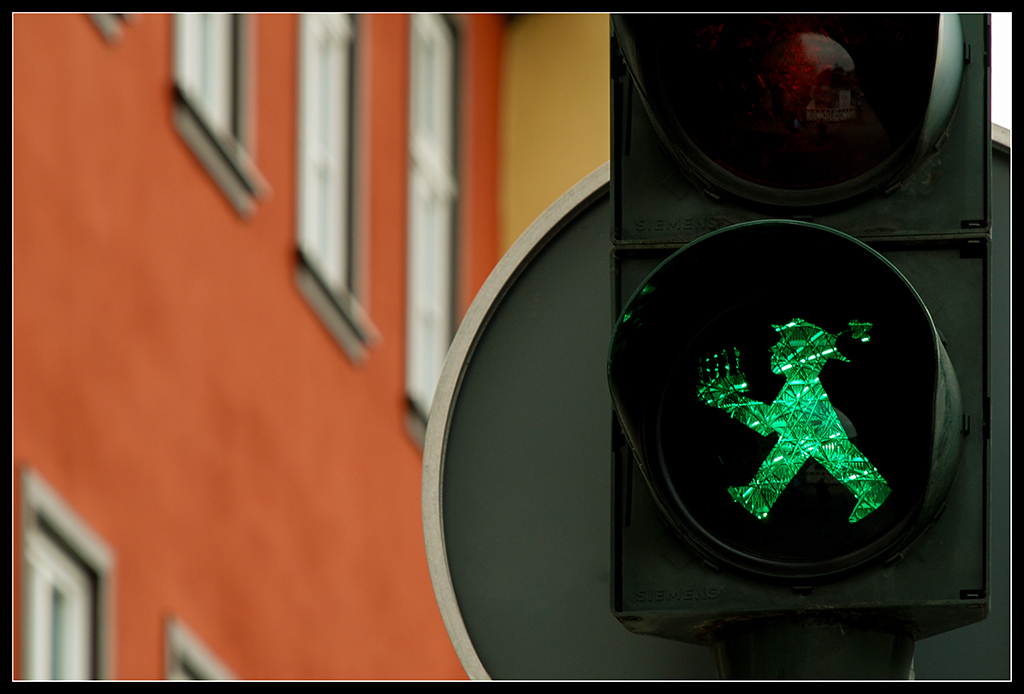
(796, 110)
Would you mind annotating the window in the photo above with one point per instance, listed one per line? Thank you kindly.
(110, 24)
(187, 658)
(432, 205)
(327, 220)
(212, 100)
(65, 587)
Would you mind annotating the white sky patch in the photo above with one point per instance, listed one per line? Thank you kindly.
(1002, 69)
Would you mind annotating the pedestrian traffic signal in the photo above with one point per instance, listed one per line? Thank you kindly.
(800, 229)
(788, 399)
(796, 109)
(802, 415)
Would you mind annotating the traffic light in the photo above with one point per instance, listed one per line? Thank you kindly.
(801, 229)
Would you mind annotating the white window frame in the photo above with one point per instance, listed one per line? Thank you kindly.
(213, 104)
(186, 657)
(110, 24)
(432, 207)
(66, 573)
(329, 248)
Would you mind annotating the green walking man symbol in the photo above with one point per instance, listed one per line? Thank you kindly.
(801, 414)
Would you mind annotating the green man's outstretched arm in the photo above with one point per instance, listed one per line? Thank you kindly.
(723, 385)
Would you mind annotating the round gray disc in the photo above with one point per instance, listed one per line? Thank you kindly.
(517, 466)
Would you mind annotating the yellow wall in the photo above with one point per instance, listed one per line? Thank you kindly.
(555, 107)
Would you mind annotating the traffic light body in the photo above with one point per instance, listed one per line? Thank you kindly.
(800, 379)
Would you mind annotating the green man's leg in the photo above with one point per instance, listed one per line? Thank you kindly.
(777, 470)
(851, 467)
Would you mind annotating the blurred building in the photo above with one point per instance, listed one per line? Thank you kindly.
(241, 247)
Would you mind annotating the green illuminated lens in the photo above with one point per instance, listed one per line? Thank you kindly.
(801, 414)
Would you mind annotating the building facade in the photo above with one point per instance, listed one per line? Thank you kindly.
(240, 247)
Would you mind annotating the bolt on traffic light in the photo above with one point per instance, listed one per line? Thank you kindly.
(801, 228)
